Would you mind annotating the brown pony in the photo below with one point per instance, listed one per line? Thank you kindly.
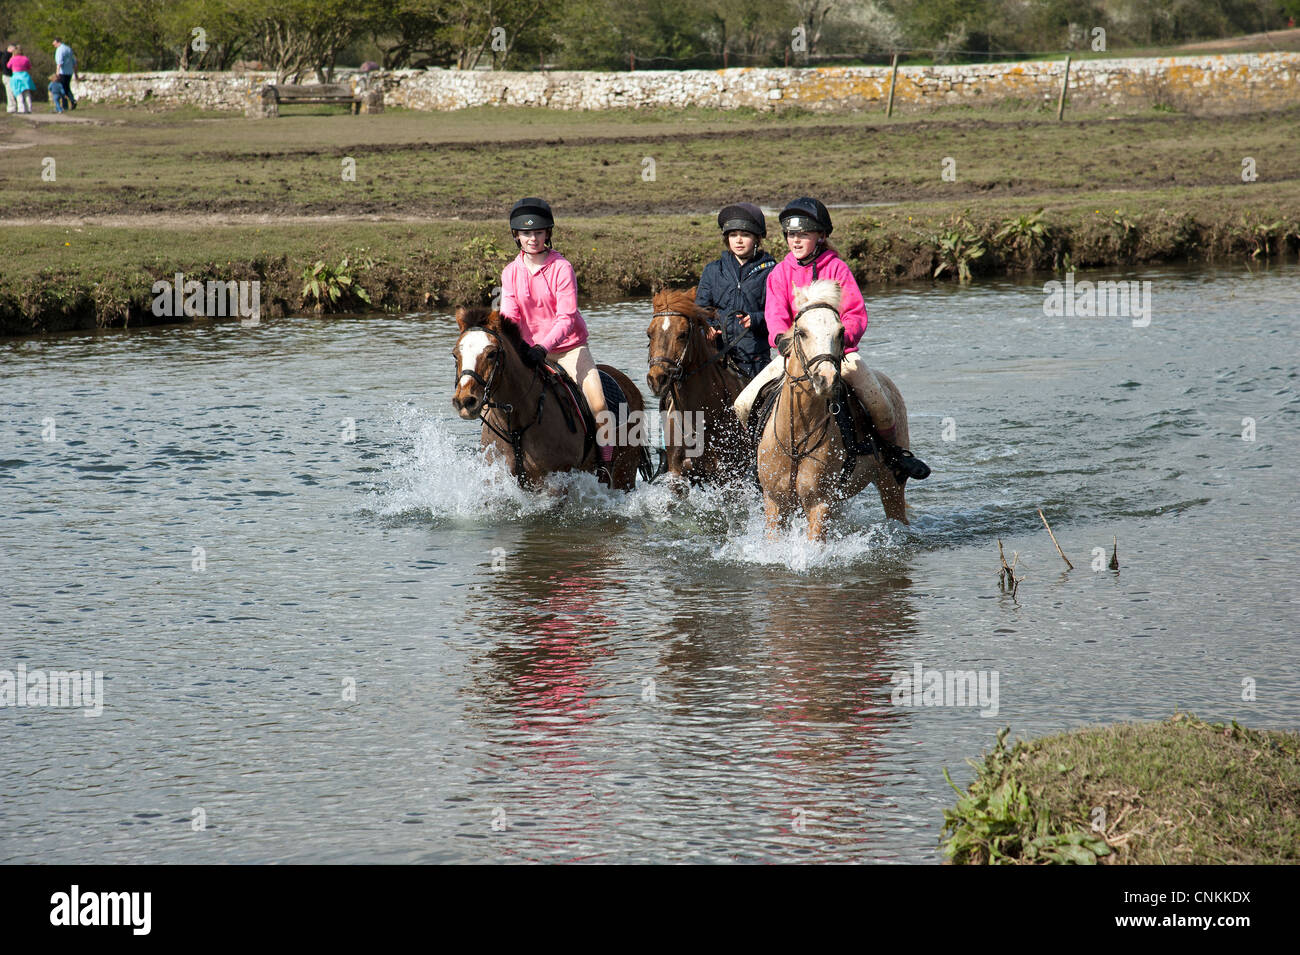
(801, 454)
(695, 387)
(527, 412)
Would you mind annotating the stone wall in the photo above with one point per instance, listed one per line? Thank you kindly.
(1239, 81)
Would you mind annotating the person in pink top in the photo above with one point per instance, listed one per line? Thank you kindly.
(806, 224)
(540, 295)
(20, 83)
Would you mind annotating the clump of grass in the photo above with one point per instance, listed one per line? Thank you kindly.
(1175, 792)
(333, 288)
(958, 247)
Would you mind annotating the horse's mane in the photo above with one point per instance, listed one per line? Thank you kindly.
(479, 317)
(821, 292)
(681, 300)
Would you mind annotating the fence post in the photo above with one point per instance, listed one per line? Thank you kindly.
(893, 78)
(725, 59)
(631, 61)
(1065, 83)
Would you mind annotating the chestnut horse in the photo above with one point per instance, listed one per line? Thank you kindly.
(528, 414)
(695, 387)
(801, 453)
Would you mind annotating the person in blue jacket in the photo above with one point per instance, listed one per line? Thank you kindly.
(736, 287)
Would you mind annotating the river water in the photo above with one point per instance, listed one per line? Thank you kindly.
(384, 652)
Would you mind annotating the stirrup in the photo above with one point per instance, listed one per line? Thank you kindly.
(905, 464)
(604, 474)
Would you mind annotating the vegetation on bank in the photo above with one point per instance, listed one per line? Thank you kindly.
(1175, 792)
(61, 277)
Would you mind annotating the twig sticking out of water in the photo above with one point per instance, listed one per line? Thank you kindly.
(1007, 578)
(1053, 537)
(1114, 555)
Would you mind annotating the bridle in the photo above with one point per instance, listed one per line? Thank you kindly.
(678, 373)
(802, 448)
(809, 363)
(515, 436)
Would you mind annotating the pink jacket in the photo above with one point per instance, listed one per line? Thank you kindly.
(544, 304)
(789, 273)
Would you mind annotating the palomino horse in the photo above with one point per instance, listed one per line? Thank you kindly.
(801, 454)
(695, 387)
(528, 414)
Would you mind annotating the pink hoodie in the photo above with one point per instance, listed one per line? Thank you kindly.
(789, 273)
(544, 304)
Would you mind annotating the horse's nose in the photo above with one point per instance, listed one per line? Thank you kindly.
(467, 405)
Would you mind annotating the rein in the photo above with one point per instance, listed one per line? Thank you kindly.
(801, 449)
(678, 373)
(515, 436)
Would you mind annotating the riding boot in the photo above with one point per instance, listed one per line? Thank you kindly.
(605, 464)
(903, 462)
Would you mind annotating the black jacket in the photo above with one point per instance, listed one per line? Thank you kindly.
(731, 288)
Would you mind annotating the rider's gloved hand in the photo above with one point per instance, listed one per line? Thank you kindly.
(536, 356)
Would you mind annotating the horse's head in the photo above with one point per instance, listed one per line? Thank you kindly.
(814, 345)
(671, 332)
(481, 356)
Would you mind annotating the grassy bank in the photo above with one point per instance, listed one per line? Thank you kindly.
(138, 196)
(61, 277)
(1177, 792)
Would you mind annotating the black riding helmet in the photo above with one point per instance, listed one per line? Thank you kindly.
(806, 215)
(531, 213)
(743, 217)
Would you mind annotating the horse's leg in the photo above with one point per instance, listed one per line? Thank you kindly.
(771, 511)
(817, 514)
(891, 494)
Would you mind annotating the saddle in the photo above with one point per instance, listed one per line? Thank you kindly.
(577, 402)
(857, 432)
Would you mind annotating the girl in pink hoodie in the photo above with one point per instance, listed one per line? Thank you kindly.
(540, 294)
(806, 224)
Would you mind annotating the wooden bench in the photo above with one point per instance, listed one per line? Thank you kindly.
(265, 103)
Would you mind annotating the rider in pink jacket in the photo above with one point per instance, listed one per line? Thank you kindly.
(827, 265)
(806, 224)
(540, 295)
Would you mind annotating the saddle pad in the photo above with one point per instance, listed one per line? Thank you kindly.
(613, 393)
(763, 403)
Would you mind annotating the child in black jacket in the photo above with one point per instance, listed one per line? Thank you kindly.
(736, 287)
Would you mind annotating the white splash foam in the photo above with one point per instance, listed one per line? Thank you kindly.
(441, 474)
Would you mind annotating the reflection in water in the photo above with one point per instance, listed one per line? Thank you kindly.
(552, 594)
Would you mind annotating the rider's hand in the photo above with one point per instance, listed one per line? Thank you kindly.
(714, 333)
(745, 319)
(536, 357)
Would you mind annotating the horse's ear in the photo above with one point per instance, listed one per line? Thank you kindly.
(800, 296)
(783, 344)
(462, 313)
(691, 292)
